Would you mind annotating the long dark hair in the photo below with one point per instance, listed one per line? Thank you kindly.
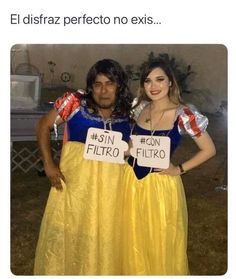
(112, 70)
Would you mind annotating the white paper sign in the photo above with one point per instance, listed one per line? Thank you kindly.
(105, 145)
(151, 151)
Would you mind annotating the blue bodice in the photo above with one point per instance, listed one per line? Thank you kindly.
(82, 120)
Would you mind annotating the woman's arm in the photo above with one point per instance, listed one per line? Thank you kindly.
(206, 151)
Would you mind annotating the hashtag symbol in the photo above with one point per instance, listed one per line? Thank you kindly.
(94, 136)
(142, 141)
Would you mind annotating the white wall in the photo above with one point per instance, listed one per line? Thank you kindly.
(208, 85)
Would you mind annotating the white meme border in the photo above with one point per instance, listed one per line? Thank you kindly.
(181, 22)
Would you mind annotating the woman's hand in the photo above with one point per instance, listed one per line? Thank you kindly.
(172, 170)
(55, 176)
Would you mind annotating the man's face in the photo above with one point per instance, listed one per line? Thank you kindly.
(104, 92)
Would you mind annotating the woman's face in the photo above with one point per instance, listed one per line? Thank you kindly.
(156, 85)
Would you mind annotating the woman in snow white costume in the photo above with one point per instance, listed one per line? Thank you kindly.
(153, 205)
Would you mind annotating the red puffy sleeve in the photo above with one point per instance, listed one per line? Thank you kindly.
(67, 105)
(191, 121)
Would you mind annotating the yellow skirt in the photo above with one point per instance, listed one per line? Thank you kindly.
(154, 225)
(79, 227)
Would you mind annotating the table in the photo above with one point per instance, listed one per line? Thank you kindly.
(25, 154)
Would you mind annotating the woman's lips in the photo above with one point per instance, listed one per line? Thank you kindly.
(155, 92)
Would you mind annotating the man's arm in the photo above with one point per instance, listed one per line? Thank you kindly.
(43, 128)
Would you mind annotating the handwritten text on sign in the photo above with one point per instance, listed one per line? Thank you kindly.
(151, 151)
(105, 145)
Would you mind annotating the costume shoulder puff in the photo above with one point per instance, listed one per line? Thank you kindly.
(191, 121)
(67, 105)
(136, 110)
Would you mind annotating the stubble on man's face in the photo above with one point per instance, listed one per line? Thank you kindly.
(104, 92)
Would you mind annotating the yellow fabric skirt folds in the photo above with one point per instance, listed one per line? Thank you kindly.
(154, 225)
(79, 230)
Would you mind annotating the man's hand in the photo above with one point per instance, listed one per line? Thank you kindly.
(55, 176)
